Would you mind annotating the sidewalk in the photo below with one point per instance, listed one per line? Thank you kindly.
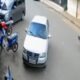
(72, 19)
(62, 12)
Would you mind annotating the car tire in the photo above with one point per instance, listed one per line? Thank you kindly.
(44, 66)
(22, 16)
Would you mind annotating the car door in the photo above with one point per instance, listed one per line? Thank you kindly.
(14, 11)
(19, 8)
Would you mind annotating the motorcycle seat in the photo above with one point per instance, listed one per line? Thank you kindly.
(12, 36)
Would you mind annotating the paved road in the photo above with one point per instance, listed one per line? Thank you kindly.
(63, 54)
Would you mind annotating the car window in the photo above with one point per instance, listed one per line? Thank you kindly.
(0, 3)
(4, 7)
(6, 4)
(38, 30)
(14, 5)
(19, 2)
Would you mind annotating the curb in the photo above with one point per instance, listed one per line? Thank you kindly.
(53, 5)
(72, 19)
(64, 13)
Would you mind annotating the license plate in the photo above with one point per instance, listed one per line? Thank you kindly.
(32, 61)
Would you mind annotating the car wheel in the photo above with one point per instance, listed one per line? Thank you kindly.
(44, 66)
(23, 62)
(22, 16)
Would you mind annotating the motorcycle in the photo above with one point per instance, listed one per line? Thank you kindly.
(9, 42)
(7, 26)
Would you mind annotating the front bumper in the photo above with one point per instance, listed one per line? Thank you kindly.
(40, 62)
(33, 65)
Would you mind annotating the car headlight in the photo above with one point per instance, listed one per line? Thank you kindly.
(42, 55)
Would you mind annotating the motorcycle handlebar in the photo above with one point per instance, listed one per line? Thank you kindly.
(9, 22)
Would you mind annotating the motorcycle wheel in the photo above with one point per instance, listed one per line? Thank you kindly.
(9, 30)
(15, 47)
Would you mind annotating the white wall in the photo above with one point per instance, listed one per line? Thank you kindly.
(78, 14)
(72, 7)
(53, 5)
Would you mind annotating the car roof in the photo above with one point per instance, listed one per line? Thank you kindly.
(40, 19)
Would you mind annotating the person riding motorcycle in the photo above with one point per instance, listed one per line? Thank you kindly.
(3, 28)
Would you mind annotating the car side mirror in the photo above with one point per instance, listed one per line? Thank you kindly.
(49, 36)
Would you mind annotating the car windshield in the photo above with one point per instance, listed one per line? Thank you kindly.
(37, 30)
(5, 4)
(4, 7)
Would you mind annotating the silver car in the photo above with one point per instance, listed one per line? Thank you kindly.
(12, 9)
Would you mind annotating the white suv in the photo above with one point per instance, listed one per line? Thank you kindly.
(36, 42)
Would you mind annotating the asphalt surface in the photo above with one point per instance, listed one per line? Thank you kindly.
(64, 48)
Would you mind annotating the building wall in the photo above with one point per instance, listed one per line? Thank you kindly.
(72, 7)
(78, 14)
(60, 2)
(57, 1)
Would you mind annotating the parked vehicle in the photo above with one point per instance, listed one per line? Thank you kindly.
(9, 42)
(7, 26)
(12, 10)
(36, 42)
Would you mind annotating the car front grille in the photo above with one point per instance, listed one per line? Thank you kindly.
(31, 55)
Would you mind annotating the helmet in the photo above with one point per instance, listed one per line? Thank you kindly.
(4, 25)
